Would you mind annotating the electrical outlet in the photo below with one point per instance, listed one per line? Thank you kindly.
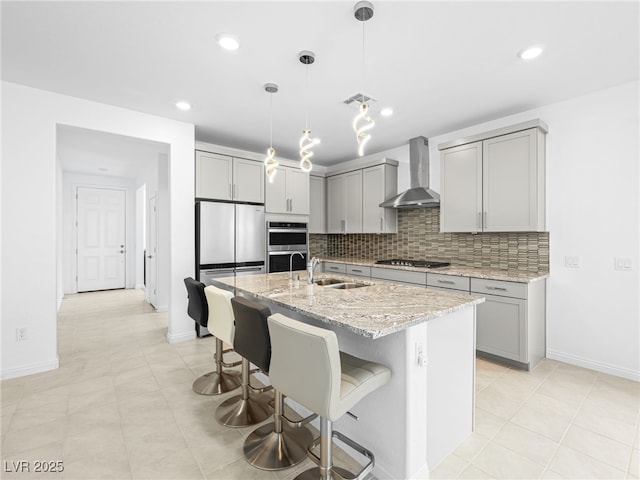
(572, 262)
(21, 334)
(622, 264)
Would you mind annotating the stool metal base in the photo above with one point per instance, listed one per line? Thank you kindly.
(239, 412)
(269, 450)
(214, 383)
(315, 474)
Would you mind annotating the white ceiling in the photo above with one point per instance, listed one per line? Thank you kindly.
(440, 65)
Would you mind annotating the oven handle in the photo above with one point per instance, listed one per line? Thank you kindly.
(287, 230)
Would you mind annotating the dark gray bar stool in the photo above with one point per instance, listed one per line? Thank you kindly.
(213, 314)
(282, 443)
(252, 405)
(308, 367)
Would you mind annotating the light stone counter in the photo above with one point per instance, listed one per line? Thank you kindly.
(486, 273)
(378, 309)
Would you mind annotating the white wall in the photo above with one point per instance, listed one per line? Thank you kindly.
(593, 312)
(29, 246)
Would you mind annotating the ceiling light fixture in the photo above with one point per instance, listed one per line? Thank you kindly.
(530, 53)
(270, 163)
(227, 41)
(306, 142)
(184, 106)
(363, 11)
(386, 112)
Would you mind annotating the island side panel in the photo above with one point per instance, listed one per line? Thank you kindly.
(451, 382)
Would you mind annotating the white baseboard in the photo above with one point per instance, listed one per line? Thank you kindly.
(29, 369)
(181, 337)
(162, 308)
(593, 365)
(139, 286)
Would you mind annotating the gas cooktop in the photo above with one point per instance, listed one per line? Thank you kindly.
(414, 263)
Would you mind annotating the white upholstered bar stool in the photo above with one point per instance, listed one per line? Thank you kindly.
(308, 367)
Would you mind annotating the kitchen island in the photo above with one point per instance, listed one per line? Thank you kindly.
(426, 337)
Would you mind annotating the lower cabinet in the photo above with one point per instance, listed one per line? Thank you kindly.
(511, 322)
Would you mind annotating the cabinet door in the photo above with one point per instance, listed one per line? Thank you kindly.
(336, 204)
(248, 180)
(501, 327)
(298, 191)
(510, 182)
(353, 201)
(373, 193)
(214, 175)
(276, 193)
(461, 188)
(317, 207)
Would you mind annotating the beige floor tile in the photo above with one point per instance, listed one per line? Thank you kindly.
(610, 422)
(451, 467)
(239, 470)
(501, 462)
(474, 473)
(165, 463)
(487, 424)
(98, 467)
(572, 464)
(470, 447)
(34, 463)
(527, 443)
(549, 474)
(30, 438)
(599, 447)
(492, 400)
(545, 415)
(634, 463)
(219, 451)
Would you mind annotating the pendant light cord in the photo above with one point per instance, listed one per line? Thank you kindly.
(271, 120)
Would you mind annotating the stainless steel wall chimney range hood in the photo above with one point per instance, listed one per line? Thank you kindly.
(419, 195)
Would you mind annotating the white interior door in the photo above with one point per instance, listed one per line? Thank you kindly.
(101, 251)
(151, 281)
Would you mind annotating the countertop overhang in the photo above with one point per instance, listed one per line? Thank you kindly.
(376, 310)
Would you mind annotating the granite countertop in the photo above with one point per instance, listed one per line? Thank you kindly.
(373, 311)
(486, 273)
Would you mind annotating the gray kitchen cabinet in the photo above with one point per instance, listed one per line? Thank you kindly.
(221, 177)
(511, 322)
(494, 184)
(317, 205)
(379, 183)
(344, 203)
(334, 267)
(289, 191)
(358, 270)
(448, 282)
(402, 276)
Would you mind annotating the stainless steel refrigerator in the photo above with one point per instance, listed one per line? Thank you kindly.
(230, 240)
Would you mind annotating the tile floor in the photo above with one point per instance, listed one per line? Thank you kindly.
(121, 406)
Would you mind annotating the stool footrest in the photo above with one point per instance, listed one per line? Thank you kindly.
(299, 423)
(339, 472)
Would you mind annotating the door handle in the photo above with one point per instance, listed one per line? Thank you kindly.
(381, 225)
(149, 256)
(121, 251)
(230, 191)
(479, 221)
(484, 219)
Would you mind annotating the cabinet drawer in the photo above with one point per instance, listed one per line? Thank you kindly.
(448, 281)
(335, 267)
(497, 287)
(358, 270)
(403, 276)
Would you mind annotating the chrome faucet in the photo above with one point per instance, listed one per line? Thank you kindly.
(310, 268)
(291, 263)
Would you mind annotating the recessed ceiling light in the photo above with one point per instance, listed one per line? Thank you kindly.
(530, 53)
(183, 106)
(386, 112)
(227, 41)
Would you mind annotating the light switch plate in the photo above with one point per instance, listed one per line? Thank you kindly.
(572, 262)
(622, 264)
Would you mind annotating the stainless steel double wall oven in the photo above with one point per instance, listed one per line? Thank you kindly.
(284, 241)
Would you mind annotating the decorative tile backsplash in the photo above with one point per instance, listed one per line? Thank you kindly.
(419, 238)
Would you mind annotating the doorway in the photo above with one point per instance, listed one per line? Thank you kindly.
(101, 239)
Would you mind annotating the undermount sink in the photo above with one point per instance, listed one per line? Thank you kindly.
(338, 284)
(327, 281)
(343, 286)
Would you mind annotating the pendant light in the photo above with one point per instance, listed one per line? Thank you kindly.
(270, 163)
(306, 142)
(362, 122)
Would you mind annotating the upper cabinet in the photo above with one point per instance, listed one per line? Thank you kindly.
(221, 177)
(379, 183)
(354, 198)
(496, 183)
(317, 204)
(289, 192)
